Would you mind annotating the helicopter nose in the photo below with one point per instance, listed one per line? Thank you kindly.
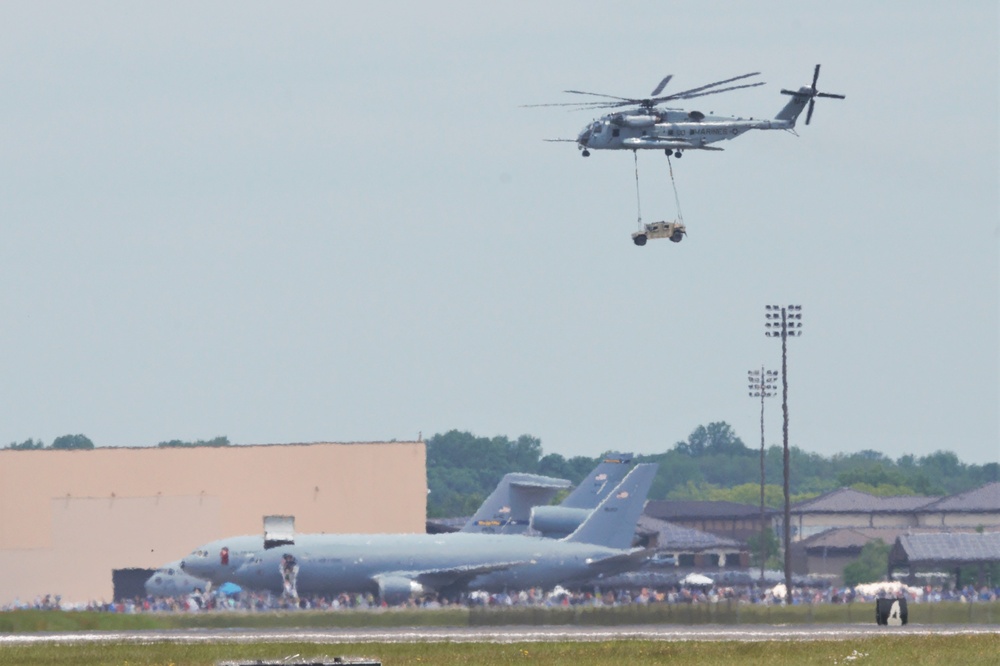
(584, 137)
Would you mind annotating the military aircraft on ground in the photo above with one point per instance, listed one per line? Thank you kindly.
(217, 561)
(641, 124)
(396, 566)
(170, 581)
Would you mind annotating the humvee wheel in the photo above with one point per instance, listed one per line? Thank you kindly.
(640, 239)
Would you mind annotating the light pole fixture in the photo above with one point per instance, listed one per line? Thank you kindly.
(762, 385)
(784, 321)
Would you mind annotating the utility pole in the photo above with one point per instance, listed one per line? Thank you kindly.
(785, 322)
(762, 386)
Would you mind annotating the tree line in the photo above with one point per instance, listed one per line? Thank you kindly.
(83, 442)
(713, 463)
(65, 442)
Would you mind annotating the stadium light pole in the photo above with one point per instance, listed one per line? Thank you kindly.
(784, 322)
(761, 385)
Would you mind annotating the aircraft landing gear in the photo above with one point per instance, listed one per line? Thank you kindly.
(668, 152)
(585, 153)
(677, 154)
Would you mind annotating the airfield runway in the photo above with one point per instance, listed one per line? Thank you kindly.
(513, 634)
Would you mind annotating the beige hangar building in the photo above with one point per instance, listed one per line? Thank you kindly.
(69, 518)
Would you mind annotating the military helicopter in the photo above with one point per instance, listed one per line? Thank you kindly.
(641, 124)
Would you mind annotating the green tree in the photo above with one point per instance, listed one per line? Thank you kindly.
(772, 550)
(872, 565)
(715, 439)
(462, 467)
(72, 442)
(27, 445)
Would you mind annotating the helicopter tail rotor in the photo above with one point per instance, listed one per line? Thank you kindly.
(812, 93)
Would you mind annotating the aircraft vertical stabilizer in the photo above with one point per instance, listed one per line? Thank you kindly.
(600, 482)
(612, 523)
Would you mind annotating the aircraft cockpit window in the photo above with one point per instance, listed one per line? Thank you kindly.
(597, 128)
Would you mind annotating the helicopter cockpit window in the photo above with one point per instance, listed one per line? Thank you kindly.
(597, 128)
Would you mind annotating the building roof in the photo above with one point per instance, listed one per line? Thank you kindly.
(935, 549)
(673, 537)
(848, 500)
(700, 509)
(983, 498)
(855, 538)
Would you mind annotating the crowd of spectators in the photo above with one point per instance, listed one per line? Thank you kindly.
(246, 601)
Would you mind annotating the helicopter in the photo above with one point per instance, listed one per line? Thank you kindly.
(641, 124)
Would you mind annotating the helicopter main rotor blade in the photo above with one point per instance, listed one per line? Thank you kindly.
(819, 94)
(707, 92)
(579, 105)
(815, 78)
(809, 114)
(666, 98)
(581, 92)
(663, 84)
(681, 94)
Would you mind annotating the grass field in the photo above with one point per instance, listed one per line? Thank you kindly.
(930, 650)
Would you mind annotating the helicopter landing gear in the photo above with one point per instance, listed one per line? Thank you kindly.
(677, 154)
(668, 152)
(585, 153)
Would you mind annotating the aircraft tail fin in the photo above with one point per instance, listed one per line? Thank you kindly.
(796, 105)
(508, 508)
(612, 523)
(600, 482)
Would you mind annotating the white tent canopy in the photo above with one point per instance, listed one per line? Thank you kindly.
(696, 579)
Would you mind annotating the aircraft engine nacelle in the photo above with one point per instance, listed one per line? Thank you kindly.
(397, 589)
(557, 521)
(640, 121)
(623, 120)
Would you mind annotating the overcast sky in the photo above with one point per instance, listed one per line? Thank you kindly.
(288, 222)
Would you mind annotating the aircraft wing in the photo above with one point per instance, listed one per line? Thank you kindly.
(441, 578)
(629, 559)
(665, 142)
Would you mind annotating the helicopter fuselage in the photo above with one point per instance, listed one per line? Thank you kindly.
(668, 130)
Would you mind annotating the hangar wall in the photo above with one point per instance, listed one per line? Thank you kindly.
(67, 518)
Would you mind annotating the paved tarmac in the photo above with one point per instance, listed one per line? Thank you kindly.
(513, 634)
